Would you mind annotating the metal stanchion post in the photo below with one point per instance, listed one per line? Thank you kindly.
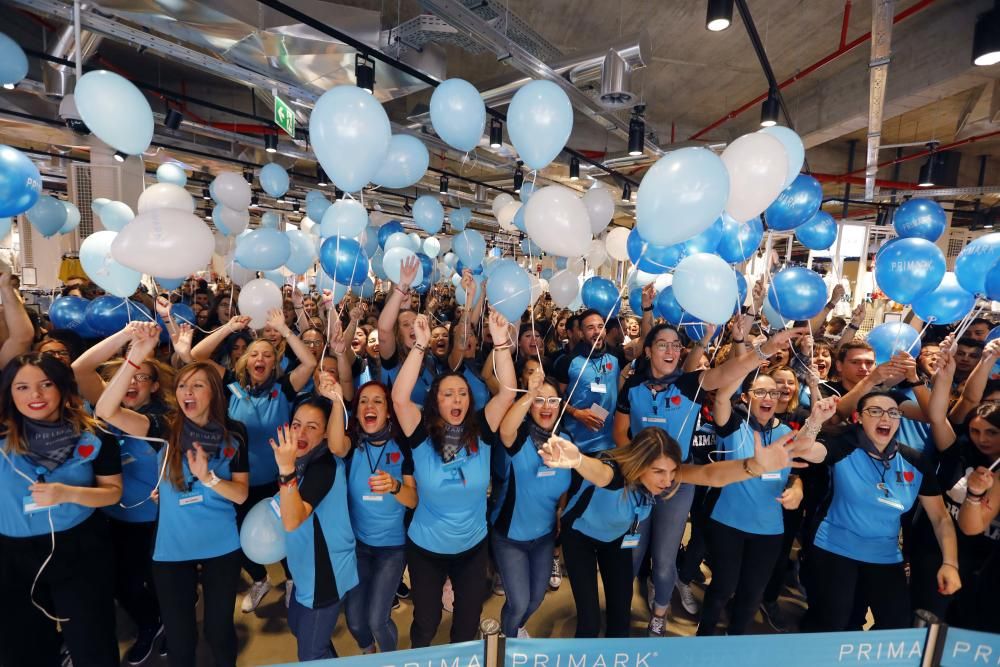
(489, 628)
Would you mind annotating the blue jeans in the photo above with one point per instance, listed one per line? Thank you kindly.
(369, 604)
(313, 629)
(662, 532)
(525, 569)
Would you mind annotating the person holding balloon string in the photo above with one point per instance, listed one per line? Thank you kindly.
(261, 398)
(396, 333)
(451, 440)
(18, 329)
(592, 376)
(56, 468)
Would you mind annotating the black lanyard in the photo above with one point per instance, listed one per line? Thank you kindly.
(374, 466)
(882, 471)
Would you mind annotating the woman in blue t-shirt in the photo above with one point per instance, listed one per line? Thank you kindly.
(56, 466)
(451, 442)
(380, 490)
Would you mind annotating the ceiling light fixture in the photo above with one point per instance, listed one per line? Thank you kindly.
(255, 202)
(720, 15)
(636, 132)
(173, 119)
(574, 169)
(9, 86)
(119, 156)
(496, 133)
(205, 194)
(986, 39)
(518, 178)
(769, 110)
(248, 175)
(321, 179)
(627, 193)
(271, 143)
(926, 179)
(296, 207)
(443, 189)
(364, 72)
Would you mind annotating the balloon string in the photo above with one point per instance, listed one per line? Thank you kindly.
(920, 335)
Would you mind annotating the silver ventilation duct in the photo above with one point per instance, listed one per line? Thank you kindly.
(59, 79)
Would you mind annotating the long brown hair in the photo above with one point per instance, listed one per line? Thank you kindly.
(436, 422)
(354, 430)
(217, 412)
(638, 456)
(163, 374)
(70, 403)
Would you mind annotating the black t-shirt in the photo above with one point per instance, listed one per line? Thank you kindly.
(317, 481)
(109, 459)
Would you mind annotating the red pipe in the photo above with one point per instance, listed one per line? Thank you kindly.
(843, 25)
(858, 180)
(826, 60)
(924, 153)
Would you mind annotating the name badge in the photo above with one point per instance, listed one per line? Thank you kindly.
(654, 420)
(771, 476)
(891, 502)
(191, 498)
(30, 506)
(276, 507)
(127, 459)
(598, 388)
(373, 499)
(546, 472)
(630, 541)
(455, 463)
(237, 390)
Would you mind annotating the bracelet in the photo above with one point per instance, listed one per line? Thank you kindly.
(852, 325)
(213, 481)
(647, 310)
(418, 346)
(747, 470)
(402, 292)
(291, 484)
(972, 494)
(974, 500)
(760, 353)
(738, 342)
(810, 430)
(397, 488)
(133, 364)
(505, 346)
(950, 565)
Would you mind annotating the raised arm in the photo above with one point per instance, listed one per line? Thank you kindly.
(765, 459)
(390, 312)
(20, 332)
(975, 385)
(736, 368)
(817, 322)
(145, 338)
(85, 367)
(203, 351)
(937, 408)
(982, 502)
(341, 349)
(336, 430)
(646, 324)
(460, 332)
(559, 452)
(857, 317)
(805, 445)
(300, 376)
(692, 361)
(498, 405)
(407, 412)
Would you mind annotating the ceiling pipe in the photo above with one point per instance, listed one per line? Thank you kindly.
(822, 62)
(925, 153)
(859, 180)
(59, 78)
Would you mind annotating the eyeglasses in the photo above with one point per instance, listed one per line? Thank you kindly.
(313, 343)
(542, 401)
(57, 353)
(663, 346)
(142, 377)
(892, 413)
(761, 393)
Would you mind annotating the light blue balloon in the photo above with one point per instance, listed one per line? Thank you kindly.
(740, 240)
(796, 204)
(376, 262)
(529, 247)
(527, 189)
(317, 208)
(460, 218)
(72, 218)
(115, 215)
(470, 247)
(908, 268)
(96, 260)
(302, 253)
(794, 149)
(13, 62)
(428, 214)
(539, 122)
(48, 215)
(892, 337)
(275, 277)
(681, 195)
(350, 135)
(262, 249)
(561, 263)
(920, 217)
(518, 220)
(509, 289)
(458, 114)
(270, 220)
(947, 303)
(169, 283)
(173, 173)
(415, 242)
(398, 240)
(774, 319)
(5, 224)
(975, 261)
(405, 163)
(706, 287)
(797, 293)
(20, 182)
(211, 192)
(314, 194)
(432, 246)
(370, 240)
(346, 217)
(497, 252)
(547, 273)
(274, 179)
(819, 232)
(393, 258)
(367, 289)
(262, 535)
(115, 111)
(323, 281)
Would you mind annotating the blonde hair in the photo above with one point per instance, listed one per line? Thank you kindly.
(240, 369)
(648, 445)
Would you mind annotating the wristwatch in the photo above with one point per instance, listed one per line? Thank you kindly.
(397, 488)
(285, 479)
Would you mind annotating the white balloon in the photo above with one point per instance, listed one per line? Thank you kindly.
(597, 255)
(616, 243)
(258, 298)
(451, 259)
(506, 216)
(232, 190)
(164, 242)
(641, 278)
(224, 244)
(235, 222)
(563, 286)
(501, 200)
(432, 246)
(558, 222)
(237, 273)
(600, 205)
(415, 242)
(757, 164)
(576, 266)
(663, 281)
(165, 195)
(307, 225)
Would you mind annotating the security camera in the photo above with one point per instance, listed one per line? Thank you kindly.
(71, 116)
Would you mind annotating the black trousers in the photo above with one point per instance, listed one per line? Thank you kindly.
(583, 556)
(134, 590)
(741, 566)
(76, 584)
(177, 585)
(793, 521)
(839, 585)
(690, 558)
(428, 572)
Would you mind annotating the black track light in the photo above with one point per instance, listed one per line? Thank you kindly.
(769, 110)
(443, 189)
(927, 169)
(271, 143)
(119, 156)
(205, 194)
(636, 133)
(248, 176)
(296, 207)
(496, 133)
(321, 179)
(254, 201)
(574, 169)
(626, 193)
(173, 119)
(720, 15)
(986, 39)
(364, 72)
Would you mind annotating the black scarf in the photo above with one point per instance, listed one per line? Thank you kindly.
(865, 443)
(302, 462)
(380, 436)
(538, 434)
(209, 437)
(262, 388)
(452, 441)
(657, 384)
(49, 444)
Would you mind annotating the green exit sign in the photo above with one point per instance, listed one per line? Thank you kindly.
(283, 116)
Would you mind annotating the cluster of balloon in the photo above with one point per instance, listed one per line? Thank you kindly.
(108, 314)
(70, 312)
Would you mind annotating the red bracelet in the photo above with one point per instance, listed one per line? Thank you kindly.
(133, 364)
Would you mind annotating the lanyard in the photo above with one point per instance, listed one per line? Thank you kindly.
(882, 471)
(374, 466)
(640, 502)
(599, 368)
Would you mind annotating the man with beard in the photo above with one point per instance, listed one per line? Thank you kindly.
(593, 384)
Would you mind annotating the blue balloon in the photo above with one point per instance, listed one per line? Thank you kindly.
(263, 249)
(109, 314)
(546, 273)
(270, 220)
(316, 208)
(921, 218)
(774, 319)
(600, 294)
(427, 264)
(993, 334)
(428, 214)
(794, 149)
(975, 261)
(48, 215)
(20, 182)
(948, 303)
(561, 263)
(892, 337)
(72, 218)
(740, 240)
(458, 114)
(274, 179)
(665, 306)
(13, 62)
(460, 218)
(539, 122)
(115, 215)
(173, 173)
(741, 286)
(518, 220)
(115, 111)
(635, 300)
(470, 247)
(350, 134)
(262, 535)
(477, 270)
(907, 268)
(797, 293)
(376, 262)
(405, 163)
(347, 217)
(817, 233)
(169, 283)
(992, 283)
(388, 229)
(314, 194)
(509, 289)
(707, 240)
(367, 289)
(681, 195)
(650, 258)
(68, 312)
(529, 247)
(345, 260)
(181, 313)
(795, 205)
(371, 240)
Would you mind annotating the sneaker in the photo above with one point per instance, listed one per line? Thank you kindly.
(555, 577)
(256, 593)
(657, 626)
(774, 616)
(143, 645)
(288, 593)
(65, 660)
(523, 634)
(498, 585)
(163, 648)
(688, 600)
(403, 591)
(448, 597)
(395, 602)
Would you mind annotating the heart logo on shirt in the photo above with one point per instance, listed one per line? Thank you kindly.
(85, 451)
(394, 457)
(908, 476)
(228, 452)
(608, 365)
(676, 400)
(274, 394)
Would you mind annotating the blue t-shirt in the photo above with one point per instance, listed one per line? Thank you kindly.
(751, 505)
(261, 414)
(595, 381)
(140, 472)
(390, 371)
(914, 433)
(609, 513)
(524, 499)
(377, 517)
(672, 408)
(450, 517)
(862, 520)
